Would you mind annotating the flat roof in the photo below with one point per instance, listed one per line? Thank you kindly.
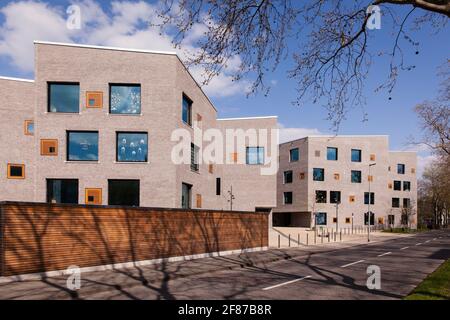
(337, 136)
(248, 118)
(16, 79)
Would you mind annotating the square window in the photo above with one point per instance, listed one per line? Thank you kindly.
(413, 170)
(62, 191)
(356, 155)
(93, 196)
(321, 196)
(123, 193)
(287, 197)
(16, 171)
(337, 176)
(288, 177)
(370, 178)
(372, 157)
(82, 146)
(29, 127)
(356, 176)
(406, 186)
(335, 197)
(187, 110)
(94, 99)
(49, 147)
(186, 190)
(406, 203)
(195, 153)
(132, 146)
(395, 202)
(321, 218)
(366, 198)
(348, 220)
(302, 176)
(334, 220)
(318, 174)
(294, 155)
(332, 154)
(351, 199)
(125, 98)
(255, 155)
(397, 185)
(63, 97)
(381, 220)
(372, 218)
(400, 168)
(390, 185)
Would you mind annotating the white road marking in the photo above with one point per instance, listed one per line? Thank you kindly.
(404, 248)
(286, 283)
(418, 244)
(350, 264)
(434, 239)
(384, 254)
(427, 241)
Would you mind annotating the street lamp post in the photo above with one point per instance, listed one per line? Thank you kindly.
(337, 216)
(368, 206)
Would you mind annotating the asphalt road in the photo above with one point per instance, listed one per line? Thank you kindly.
(341, 274)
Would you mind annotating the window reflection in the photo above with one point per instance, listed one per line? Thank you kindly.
(64, 97)
(125, 99)
(132, 147)
(82, 146)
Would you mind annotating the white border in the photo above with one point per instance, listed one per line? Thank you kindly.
(16, 79)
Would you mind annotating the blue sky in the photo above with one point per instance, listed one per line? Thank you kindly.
(123, 24)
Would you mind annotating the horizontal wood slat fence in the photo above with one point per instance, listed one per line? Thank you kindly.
(37, 237)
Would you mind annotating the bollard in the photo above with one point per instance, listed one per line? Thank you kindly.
(322, 234)
(341, 236)
(278, 241)
(329, 240)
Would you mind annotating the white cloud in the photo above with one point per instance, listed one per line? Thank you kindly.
(423, 162)
(289, 134)
(127, 25)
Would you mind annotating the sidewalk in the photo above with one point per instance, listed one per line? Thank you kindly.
(156, 276)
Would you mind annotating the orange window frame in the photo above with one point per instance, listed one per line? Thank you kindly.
(98, 98)
(10, 165)
(25, 127)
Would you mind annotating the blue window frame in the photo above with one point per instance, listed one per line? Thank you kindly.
(63, 97)
(132, 147)
(187, 110)
(356, 176)
(332, 154)
(82, 146)
(125, 98)
(294, 155)
(318, 174)
(400, 168)
(255, 155)
(356, 155)
(321, 218)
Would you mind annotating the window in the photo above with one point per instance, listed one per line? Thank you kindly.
(397, 185)
(125, 98)
(62, 191)
(372, 218)
(406, 186)
(123, 193)
(332, 154)
(337, 176)
(288, 198)
(294, 155)
(49, 147)
(334, 220)
(366, 198)
(186, 196)
(318, 174)
(370, 178)
(132, 147)
(195, 157)
(372, 157)
(356, 176)
(94, 99)
(406, 203)
(335, 197)
(321, 196)
(63, 97)
(16, 171)
(351, 199)
(413, 170)
(82, 146)
(29, 127)
(391, 219)
(187, 110)
(218, 186)
(321, 218)
(198, 200)
(302, 176)
(255, 155)
(93, 196)
(400, 168)
(348, 220)
(395, 202)
(356, 155)
(380, 220)
(288, 177)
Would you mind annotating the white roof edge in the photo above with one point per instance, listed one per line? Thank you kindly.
(248, 118)
(103, 47)
(16, 79)
(400, 151)
(347, 136)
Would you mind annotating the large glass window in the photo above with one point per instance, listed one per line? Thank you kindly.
(132, 147)
(62, 191)
(64, 97)
(187, 110)
(366, 198)
(332, 153)
(321, 218)
(82, 146)
(397, 185)
(195, 154)
(372, 218)
(356, 176)
(356, 155)
(123, 192)
(406, 203)
(400, 168)
(318, 174)
(288, 197)
(406, 186)
(255, 155)
(321, 196)
(395, 202)
(186, 196)
(125, 98)
(288, 176)
(335, 197)
(294, 155)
